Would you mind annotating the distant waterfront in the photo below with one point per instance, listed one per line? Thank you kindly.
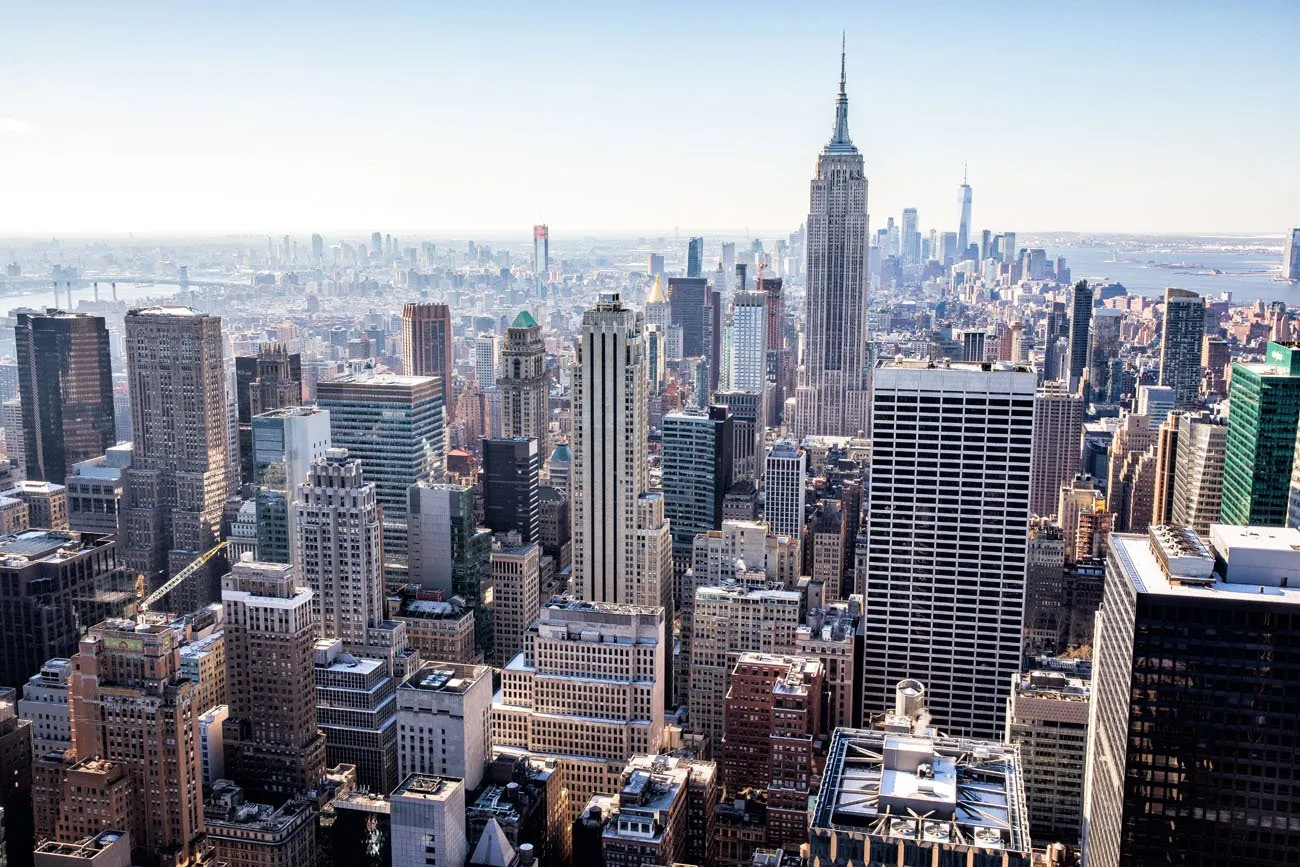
(126, 291)
(1246, 273)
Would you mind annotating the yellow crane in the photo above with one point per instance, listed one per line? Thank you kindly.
(176, 580)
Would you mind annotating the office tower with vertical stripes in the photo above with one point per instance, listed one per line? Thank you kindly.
(948, 525)
(611, 427)
(338, 542)
(394, 425)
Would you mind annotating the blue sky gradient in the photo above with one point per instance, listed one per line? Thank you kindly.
(441, 117)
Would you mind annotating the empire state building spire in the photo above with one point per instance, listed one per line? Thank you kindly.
(840, 141)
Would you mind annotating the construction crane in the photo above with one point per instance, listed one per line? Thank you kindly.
(176, 580)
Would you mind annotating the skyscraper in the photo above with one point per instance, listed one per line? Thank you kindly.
(911, 237)
(427, 346)
(270, 737)
(394, 426)
(785, 475)
(524, 384)
(131, 704)
(487, 356)
(1291, 257)
(688, 302)
(541, 257)
(450, 553)
(1058, 431)
(963, 223)
(619, 654)
(749, 328)
(1198, 472)
(1080, 325)
(694, 257)
(286, 442)
(1188, 768)
(269, 380)
(50, 582)
(779, 364)
(511, 467)
(338, 542)
(515, 596)
(697, 471)
(180, 473)
(1260, 448)
(65, 382)
(1104, 345)
(832, 393)
(953, 620)
(1180, 350)
(610, 432)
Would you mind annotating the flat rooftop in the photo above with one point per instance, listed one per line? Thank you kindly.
(932, 790)
(1142, 567)
(32, 545)
(444, 677)
(376, 378)
(427, 787)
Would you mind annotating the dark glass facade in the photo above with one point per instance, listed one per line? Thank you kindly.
(65, 380)
(511, 486)
(1197, 722)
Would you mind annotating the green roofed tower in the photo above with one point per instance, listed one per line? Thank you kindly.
(1264, 409)
(524, 382)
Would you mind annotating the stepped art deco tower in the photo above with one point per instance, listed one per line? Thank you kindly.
(833, 385)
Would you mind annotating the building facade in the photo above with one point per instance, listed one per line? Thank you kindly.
(65, 383)
(444, 722)
(587, 692)
(394, 425)
(271, 742)
(1180, 348)
(1178, 770)
(1058, 440)
(1259, 450)
(180, 473)
(833, 390)
(948, 524)
(131, 705)
(339, 543)
(610, 435)
(525, 384)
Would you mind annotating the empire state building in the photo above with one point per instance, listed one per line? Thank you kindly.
(832, 396)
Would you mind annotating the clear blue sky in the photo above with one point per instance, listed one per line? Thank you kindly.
(450, 117)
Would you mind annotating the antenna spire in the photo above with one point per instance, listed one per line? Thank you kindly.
(963, 173)
(843, 44)
(840, 141)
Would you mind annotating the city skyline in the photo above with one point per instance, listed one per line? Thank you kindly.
(296, 121)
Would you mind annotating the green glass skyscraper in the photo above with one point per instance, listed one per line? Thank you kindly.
(1264, 409)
